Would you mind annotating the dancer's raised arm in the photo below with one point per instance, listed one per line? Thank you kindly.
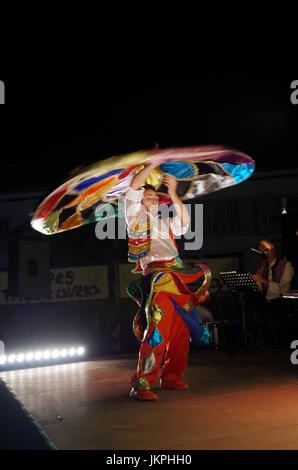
(182, 213)
(141, 177)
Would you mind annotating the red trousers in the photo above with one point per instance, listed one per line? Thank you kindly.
(165, 346)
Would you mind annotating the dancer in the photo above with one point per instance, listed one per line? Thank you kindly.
(167, 294)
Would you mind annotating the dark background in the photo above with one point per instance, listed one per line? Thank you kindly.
(51, 125)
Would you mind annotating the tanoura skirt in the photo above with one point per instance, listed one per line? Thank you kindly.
(167, 296)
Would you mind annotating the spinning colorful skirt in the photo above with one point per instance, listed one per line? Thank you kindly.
(167, 297)
(83, 198)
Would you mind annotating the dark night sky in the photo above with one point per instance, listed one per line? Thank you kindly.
(51, 127)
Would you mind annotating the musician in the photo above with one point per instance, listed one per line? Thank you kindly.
(274, 275)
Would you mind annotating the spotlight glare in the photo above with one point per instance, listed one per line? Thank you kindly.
(80, 351)
(46, 355)
(29, 356)
(11, 358)
(38, 355)
(3, 359)
(63, 353)
(20, 357)
(55, 353)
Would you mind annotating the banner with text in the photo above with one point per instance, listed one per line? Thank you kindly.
(66, 285)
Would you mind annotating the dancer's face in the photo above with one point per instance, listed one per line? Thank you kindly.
(150, 199)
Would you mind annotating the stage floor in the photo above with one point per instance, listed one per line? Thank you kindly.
(248, 401)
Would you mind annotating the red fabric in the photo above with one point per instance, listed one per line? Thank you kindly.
(173, 238)
(49, 203)
(173, 350)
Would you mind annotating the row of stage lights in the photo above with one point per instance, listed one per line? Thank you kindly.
(42, 357)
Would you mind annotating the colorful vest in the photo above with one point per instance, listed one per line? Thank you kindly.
(139, 240)
(139, 237)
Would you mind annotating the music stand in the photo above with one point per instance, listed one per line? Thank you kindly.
(241, 284)
(290, 295)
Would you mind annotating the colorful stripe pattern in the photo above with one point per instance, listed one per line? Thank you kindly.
(83, 198)
(164, 298)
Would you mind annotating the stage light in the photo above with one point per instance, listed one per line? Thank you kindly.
(80, 351)
(284, 206)
(40, 357)
(46, 355)
(63, 353)
(55, 353)
(3, 360)
(29, 356)
(20, 357)
(11, 358)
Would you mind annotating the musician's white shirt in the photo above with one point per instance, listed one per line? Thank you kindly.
(275, 289)
(162, 246)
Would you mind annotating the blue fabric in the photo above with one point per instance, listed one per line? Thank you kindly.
(137, 257)
(239, 172)
(199, 333)
(155, 339)
(158, 276)
(178, 169)
(85, 184)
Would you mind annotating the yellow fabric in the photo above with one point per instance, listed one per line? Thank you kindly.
(166, 284)
(135, 250)
(155, 178)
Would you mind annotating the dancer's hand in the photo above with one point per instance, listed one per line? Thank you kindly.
(171, 183)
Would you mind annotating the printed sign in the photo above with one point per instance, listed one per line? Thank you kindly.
(66, 285)
(1, 92)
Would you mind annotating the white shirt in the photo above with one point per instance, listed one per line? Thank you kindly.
(162, 246)
(275, 289)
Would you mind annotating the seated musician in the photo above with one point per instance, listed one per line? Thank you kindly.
(275, 274)
(274, 277)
